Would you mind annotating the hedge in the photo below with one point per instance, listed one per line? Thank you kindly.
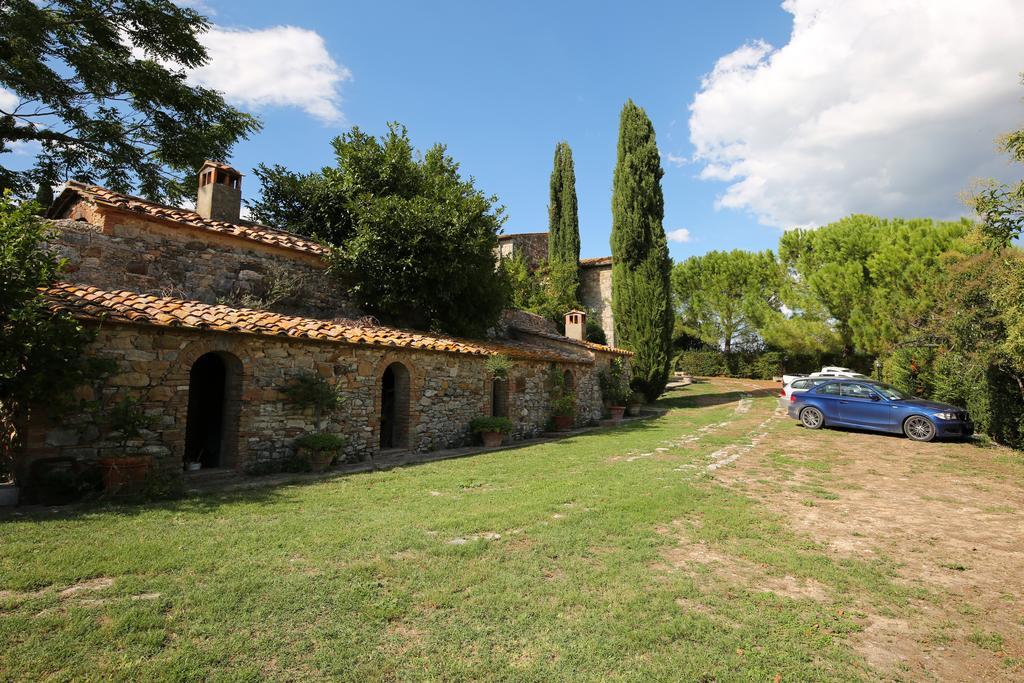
(761, 364)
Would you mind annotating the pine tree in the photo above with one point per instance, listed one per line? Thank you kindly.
(641, 268)
(564, 225)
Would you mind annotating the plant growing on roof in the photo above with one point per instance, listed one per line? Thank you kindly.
(498, 366)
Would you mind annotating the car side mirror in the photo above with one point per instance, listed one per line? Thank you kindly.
(876, 397)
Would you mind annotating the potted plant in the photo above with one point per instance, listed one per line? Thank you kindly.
(563, 408)
(310, 390)
(194, 461)
(614, 389)
(636, 400)
(127, 420)
(320, 449)
(492, 429)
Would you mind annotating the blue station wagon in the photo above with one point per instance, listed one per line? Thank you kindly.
(879, 407)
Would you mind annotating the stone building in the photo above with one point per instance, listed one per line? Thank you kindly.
(595, 275)
(164, 288)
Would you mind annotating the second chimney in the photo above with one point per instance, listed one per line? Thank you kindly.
(576, 325)
(220, 192)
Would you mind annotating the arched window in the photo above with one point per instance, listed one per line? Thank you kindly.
(394, 407)
(214, 401)
(568, 381)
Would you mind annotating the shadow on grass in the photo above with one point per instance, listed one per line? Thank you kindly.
(706, 400)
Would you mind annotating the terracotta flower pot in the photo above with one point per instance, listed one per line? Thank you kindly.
(492, 439)
(617, 412)
(563, 423)
(320, 460)
(124, 473)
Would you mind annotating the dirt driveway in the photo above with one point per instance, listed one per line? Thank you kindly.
(949, 516)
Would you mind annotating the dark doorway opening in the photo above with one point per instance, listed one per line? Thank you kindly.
(499, 398)
(207, 394)
(394, 407)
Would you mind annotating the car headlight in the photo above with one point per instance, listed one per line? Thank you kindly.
(946, 416)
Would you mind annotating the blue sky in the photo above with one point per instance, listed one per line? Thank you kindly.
(501, 83)
(769, 115)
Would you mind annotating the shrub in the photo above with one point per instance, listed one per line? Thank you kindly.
(502, 425)
(564, 405)
(310, 390)
(321, 441)
(614, 387)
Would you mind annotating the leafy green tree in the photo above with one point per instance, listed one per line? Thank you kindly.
(641, 288)
(727, 297)
(563, 219)
(1001, 206)
(871, 279)
(101, 87)
(40, 352)
(413, 242)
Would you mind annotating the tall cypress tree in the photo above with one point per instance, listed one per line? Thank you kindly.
(563, 212)
(641, 268)
(563, 233)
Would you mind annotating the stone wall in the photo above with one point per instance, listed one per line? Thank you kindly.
(446, 391)
(146, 256)
(596, 297)
(532, 245)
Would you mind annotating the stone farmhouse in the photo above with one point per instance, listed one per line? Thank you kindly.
(595, 275)
(167, 289)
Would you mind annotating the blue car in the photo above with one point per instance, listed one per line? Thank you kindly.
(876, 406)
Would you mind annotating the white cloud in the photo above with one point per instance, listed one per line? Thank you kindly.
(681, 235)
(8, 101)
(675, 159)
(889, 107)
(280, 66)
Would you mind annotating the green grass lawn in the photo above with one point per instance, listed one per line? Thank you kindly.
(543, 563)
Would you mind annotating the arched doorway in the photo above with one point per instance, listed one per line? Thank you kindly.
(214, 392)
(394, 407)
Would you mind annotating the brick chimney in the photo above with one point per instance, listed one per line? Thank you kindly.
(220, 192)
(576, 325)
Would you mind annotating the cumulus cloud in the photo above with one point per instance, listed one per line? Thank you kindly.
(888, 107)
(8, 101)
(279, 66)
(675, 159)
(681, 235)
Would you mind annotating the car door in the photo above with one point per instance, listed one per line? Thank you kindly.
(827, 397)
(862, 406)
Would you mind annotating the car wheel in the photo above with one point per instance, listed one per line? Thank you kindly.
(919, 428)
(812, 418)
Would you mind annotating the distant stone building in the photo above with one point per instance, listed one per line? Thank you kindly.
(207, 319)
(595, 275)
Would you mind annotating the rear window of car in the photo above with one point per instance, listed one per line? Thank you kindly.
(830, 388)
(856, 391)
(801, 384)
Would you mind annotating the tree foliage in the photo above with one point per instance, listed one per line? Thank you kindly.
(641, 289)
(873, 279)
(102, 88)
(563, 219)
(413, 242)
(726, 297)
(40, 352)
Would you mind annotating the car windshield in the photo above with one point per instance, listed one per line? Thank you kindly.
(889, 391)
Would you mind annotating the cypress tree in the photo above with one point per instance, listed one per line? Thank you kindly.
(563, 272)
(563, 215)
(641, 268)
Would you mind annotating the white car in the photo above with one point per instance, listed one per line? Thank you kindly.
(799, 384)
(844, 373)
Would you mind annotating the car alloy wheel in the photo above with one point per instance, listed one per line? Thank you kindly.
(919, 428)
(811, 418)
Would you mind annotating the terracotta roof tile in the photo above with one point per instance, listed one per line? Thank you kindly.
(531, 323)
(599, 261)
(86, 302)
(248, 231)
